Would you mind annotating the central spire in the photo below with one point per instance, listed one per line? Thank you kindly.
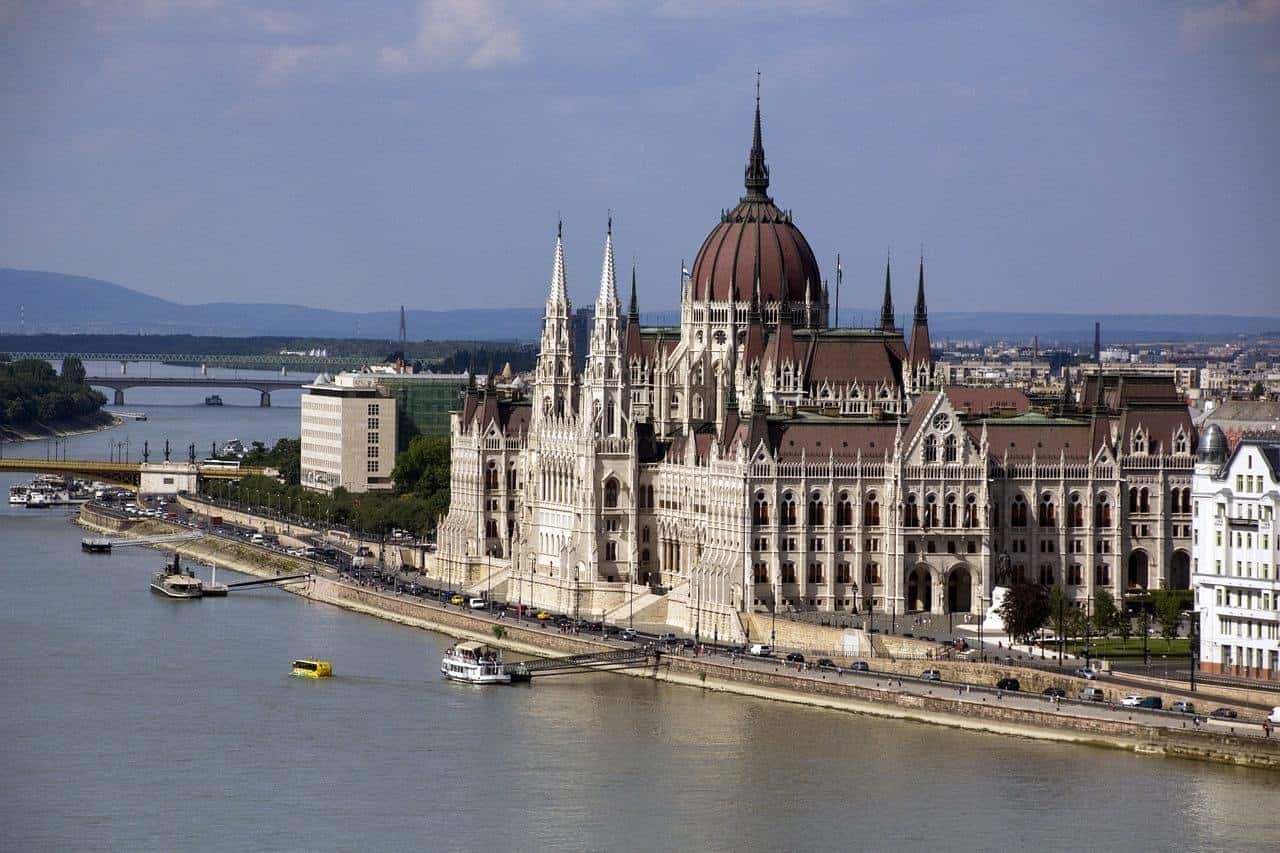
(886, 310)
(757, 173)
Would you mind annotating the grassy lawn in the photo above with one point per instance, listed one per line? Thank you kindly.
(1114, 647)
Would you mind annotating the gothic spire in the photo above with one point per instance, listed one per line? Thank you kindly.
(607, 299)
(559, 290)
(922, 314)
(633, 310)
(757, 173)
(886, 311)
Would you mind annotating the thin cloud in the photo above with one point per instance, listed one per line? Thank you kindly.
(1229, 13)
(458, 34)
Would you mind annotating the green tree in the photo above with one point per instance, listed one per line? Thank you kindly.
(1060, 611)
(1025, 609)
(73, 370)
(1124, 627)
(1168, 607)
(1105, 613)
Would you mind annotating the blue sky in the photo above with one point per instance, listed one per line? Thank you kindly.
(1050, 156)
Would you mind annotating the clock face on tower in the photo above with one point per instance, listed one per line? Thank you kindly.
(942, 422)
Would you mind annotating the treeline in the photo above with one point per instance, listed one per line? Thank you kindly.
(374, 350)
(420, 499)
(31, 391)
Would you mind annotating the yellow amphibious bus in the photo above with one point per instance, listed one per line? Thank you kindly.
(312, 668)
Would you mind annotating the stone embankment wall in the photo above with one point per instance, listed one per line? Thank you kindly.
(714, 673)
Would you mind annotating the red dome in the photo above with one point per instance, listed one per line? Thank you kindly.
(756, 235)
(756, 238)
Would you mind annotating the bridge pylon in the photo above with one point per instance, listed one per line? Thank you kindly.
(265, 400)
(119, 400)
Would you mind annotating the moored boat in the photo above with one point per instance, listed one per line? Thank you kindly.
(312, 669)
(18, 495)
(172, 583)
(474, 663)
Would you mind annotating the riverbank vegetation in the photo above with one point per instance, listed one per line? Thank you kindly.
(32, 392)
(419, 501)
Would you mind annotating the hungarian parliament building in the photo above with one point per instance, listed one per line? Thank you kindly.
(757, 459)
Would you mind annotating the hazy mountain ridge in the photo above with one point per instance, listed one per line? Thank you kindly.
(36, 301)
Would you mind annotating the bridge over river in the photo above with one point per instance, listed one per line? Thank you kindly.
(306, 363)
(264, 385)
(123, 473)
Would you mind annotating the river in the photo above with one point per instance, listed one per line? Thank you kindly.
(128, 722)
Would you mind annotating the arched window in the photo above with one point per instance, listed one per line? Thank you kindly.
(1046, 574)
(1144, 500)
(760, 509)
(611, 493)
(1075, 511)
(971, 511)
(1018, 512)
(844, 510)
(931, 510)
(491, 476)
(1102, 512)
(871, 511)
(931, 448)
(817, 512)
(611, 550)
(949, 453)
(788, 509)
(949, 512)
(511, 477)
(697, 405)
(644, 556)
(1139, 442)
(644, 534)
(1133, 499)
(911, 513)
(648, 493)
(1047, 518)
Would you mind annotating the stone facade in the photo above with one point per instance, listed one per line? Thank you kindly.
(754, 459)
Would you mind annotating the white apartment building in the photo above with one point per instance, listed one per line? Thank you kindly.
(1236, 495)
(348, 434)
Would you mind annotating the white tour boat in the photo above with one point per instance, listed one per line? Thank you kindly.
(18, 495)
(474, 663)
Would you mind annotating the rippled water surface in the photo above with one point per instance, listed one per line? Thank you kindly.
(128, 722)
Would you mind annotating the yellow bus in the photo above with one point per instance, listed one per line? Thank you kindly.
(312, 668)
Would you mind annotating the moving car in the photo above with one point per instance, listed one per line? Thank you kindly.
(628, 634)
(826, 663)
(859, 666)
(931, 675)
(1154, 703)
(795, 657)
(543, 616)
(1090, 694)
(1054, 691)
(455, 599)
(477, 604)
(760, 650)
(1183, 707)
(1223, 714)
(1132, 700)
(1086, 672)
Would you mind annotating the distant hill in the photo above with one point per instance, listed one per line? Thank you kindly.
(53, 302)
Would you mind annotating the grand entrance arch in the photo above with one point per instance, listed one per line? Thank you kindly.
(919, 589)
(1180, 570)
(1138, 570)
(960, 590)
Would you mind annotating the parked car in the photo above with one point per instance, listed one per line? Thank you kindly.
(1154, 703)
(1090, 694)
(1183, 707)
(795, 657)
(1131, 701)
(455, 599)
(1010, 684)
(1086, 672)
(859, 666)
(1054, 691)
(1223, 714)
(826, 663)
(931, 675)
(628, 634)
(477, 604)
(760, 650)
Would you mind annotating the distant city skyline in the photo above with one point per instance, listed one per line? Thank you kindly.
(1050, 158)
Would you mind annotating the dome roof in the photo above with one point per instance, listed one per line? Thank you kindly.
(756, 238)
(1212, 446)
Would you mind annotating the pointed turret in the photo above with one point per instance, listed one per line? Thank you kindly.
(920, 352)
(602, 390)
(757, 173)
(886, 310)
(559, 290)
(555, 383)
(634, 347)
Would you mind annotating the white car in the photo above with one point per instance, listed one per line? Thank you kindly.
(1085, 672)
(1132, 701)
(760, 650)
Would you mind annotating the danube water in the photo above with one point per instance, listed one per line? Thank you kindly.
(129, 722)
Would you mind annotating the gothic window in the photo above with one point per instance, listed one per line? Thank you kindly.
(611, 550)
(1046, 574)
(817, 513)
(1144, 500)
(511, 477)
(1139, 442)
(760, 572)
(844, 510)
(611, 493)
(971, 511)
(491, 476)
(949, 449)
(788, 572)
(1018, 512)
(871, 511)
(871, 573)
(491, 529)
(1075, 511)
(1102, 575)
(1102, 512)
(760, 509)
(949, 512)
(931, 510)
(644, 556)
(843, 575)
(788, 512)
(815, 573)
(1180, 442)
(697, 405)
(1075, 575)
(930, 448)
(1046, 515)
(911, 513)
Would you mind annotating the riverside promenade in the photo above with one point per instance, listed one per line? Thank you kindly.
(877, 693)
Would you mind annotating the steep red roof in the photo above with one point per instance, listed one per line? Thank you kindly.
(981, 402)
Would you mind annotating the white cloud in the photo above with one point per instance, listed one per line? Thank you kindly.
(289, 61)
(473, 34)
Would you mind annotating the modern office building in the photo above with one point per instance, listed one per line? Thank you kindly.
(423, 402)
(1236, 494)
(348, 434)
